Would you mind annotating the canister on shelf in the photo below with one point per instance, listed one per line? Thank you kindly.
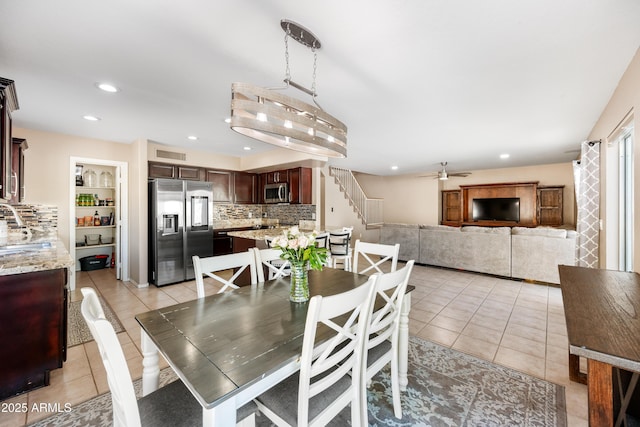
(90, 178)
(106, 179)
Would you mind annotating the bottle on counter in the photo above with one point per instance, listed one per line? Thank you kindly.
(96, 219)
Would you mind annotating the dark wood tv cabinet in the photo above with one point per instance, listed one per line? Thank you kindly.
(457, 205)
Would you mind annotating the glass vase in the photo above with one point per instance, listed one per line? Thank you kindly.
(299, 282)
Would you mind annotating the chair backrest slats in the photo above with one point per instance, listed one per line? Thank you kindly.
(339, 242)
(322, 240)
(385, 253)
(385, 320)
(269, 260)
(210, 265)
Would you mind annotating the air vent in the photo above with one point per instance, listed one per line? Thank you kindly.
(170, 155)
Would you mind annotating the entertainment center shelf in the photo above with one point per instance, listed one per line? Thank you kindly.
(518, 203)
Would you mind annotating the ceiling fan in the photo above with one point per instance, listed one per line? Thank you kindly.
(444, 175)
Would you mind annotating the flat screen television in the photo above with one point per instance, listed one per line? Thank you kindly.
(496, 209)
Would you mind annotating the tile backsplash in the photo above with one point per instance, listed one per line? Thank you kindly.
(40, 216)
(286, 214)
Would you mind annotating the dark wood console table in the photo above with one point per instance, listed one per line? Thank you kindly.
(602, 309)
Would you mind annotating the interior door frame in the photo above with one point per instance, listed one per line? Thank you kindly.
(121, 178)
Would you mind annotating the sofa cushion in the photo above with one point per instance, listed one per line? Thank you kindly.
(485, 251)
(540, 231)
(486, 230)
(407, 235)
(440, 228)
(537, 256)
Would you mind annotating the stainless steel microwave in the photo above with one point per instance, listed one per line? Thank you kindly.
(276, 193)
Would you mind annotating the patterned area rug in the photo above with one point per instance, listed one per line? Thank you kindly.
(77, 330)
(446, 388)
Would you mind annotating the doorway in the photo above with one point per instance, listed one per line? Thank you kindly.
(104, 234)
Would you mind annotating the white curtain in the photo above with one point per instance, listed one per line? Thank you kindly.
(586, 173)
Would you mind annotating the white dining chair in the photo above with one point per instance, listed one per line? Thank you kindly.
(211, 265)
(330, 375)
(269, 260)
(382, 254)
(384, 329)
(340, 249)
(171, 405)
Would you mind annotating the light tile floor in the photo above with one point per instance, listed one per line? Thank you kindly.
(515, 324)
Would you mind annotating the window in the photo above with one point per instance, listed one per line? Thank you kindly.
(625, 200)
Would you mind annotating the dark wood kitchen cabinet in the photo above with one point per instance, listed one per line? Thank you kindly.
(17, 169)
(245, 188)
(300, 186)
(33, 328)
(276, 177)
(222, 185)
(162, 170)
(166, 170)
(8, 104)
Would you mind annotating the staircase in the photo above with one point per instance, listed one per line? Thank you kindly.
(368, 210)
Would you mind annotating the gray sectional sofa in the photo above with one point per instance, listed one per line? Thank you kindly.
(518, 252)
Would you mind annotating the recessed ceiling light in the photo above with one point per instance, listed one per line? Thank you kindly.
(107, 87)
(192, 137)
(91, 118)
(504, 156)
(248, 148)
(394, 168)
(227, 120)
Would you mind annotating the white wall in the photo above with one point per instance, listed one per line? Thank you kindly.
(47, 167)
(623, 103)
(408, 199)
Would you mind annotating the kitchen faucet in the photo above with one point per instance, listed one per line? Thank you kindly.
(17, 218)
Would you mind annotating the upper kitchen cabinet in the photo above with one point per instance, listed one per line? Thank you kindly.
(17, 169)
(276, 177)
(300, 186)
(222, 185)
(245, 187)
(8, 104)
(165, 170)
(299, 182)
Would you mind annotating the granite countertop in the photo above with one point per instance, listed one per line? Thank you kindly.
(262, 234)
(240, 223)
(258, 234)
(51, 256)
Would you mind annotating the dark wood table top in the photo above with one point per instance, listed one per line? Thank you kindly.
(223, 343)
(602, 309)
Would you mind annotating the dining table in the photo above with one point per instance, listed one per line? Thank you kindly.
(601, 310)
(229, 348)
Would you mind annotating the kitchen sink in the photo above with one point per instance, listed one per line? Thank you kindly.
(23, 247)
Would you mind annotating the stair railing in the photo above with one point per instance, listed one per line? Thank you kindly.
(369, 210)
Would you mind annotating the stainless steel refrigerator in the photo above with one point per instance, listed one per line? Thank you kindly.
(180, 226)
